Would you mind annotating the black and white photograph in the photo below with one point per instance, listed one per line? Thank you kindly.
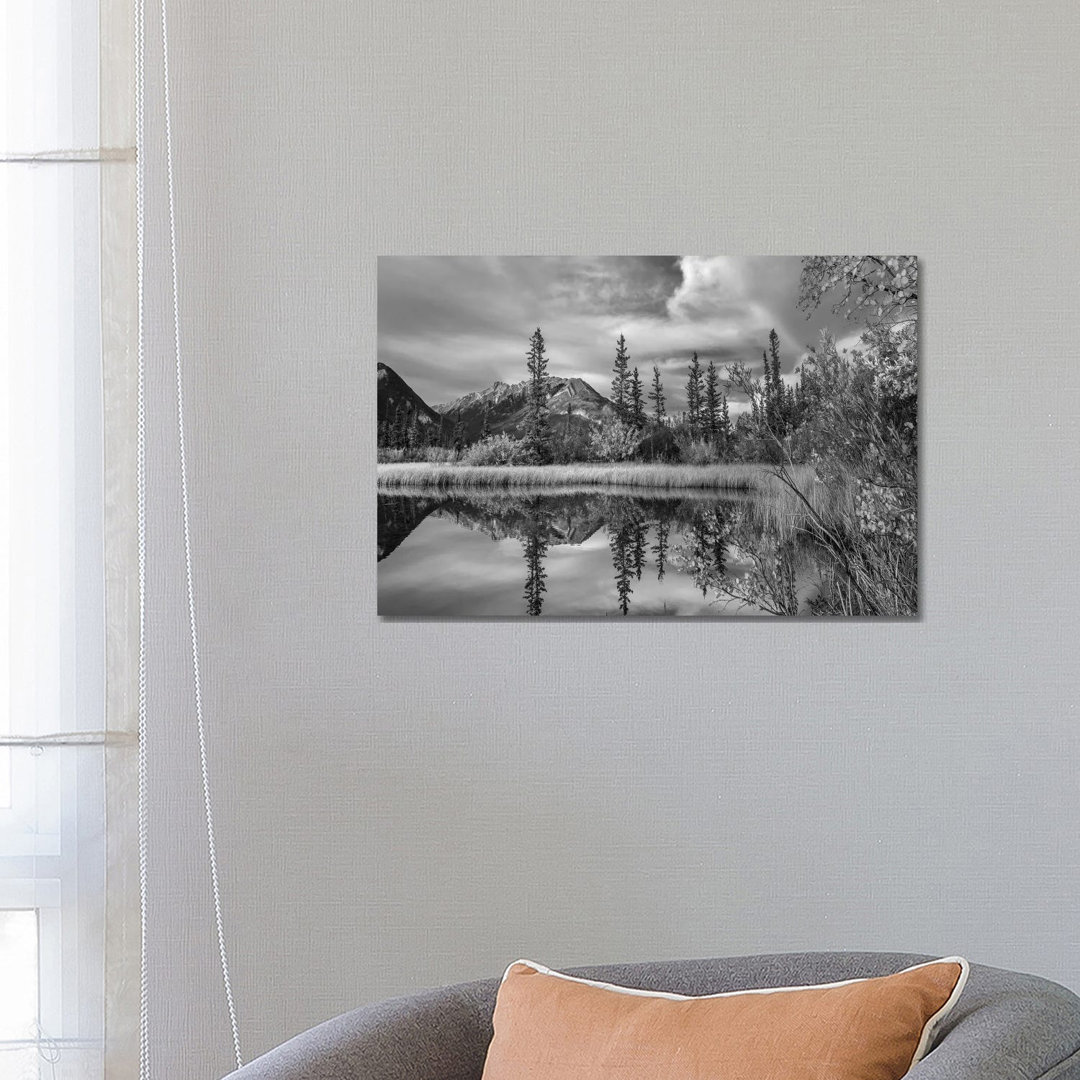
(657, 436)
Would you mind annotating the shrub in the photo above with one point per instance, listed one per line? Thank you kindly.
(697, 451)
(615, 441)
(575, 446)
(494, 450)
(440, 455)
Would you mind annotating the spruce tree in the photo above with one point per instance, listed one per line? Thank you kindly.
(725, 422)
(636, 405)
(620, 382)
(656, 396)
(712, 403)
(799, 402)
(775, 384)
(536, 425)
(768, 410)
(774, 353)
(693, 395)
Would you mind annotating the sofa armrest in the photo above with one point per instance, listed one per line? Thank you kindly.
(1007, 1026)
(441, 1034)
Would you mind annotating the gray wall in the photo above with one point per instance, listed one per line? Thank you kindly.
(405, 804)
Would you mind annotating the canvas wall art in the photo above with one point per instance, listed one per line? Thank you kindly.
(647, 436)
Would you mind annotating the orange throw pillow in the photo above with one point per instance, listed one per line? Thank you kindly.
(550, 1026)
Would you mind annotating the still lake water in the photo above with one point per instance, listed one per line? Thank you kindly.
(479, 553)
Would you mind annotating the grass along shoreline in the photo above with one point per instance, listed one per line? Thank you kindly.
(770, 503)
(556, 491)
(732, 477)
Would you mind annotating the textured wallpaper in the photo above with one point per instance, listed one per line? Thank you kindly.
(404, 804)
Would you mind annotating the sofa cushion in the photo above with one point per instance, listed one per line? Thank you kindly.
(552, 1026)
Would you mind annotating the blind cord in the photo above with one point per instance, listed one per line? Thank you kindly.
(143, 813)
(197, 679)
(140, 456)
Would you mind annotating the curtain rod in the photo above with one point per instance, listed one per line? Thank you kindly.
(70, 738)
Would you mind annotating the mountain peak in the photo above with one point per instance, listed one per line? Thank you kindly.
(501, 407)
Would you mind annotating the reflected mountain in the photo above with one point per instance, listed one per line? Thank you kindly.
(397, 517)
(557, 519)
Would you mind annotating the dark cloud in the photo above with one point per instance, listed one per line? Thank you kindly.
(449, 325)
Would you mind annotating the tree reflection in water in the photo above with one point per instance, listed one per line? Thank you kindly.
(660, 548)
(703, 553)
(690, 534)
(621, 543)
(710, 534)
(535, 544)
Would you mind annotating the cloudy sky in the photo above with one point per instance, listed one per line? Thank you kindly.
(451, 325)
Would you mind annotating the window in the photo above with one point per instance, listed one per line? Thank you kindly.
(52, 851)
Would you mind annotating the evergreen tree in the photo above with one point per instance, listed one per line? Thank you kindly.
(397, 427)
(725, 422)
(636, 403)
(768, 404)
(536, 424)
(799, 402)
(693, 395)
(620, 382)
(485, 429)
(417, 433)
(776, 412)
(656, 396)
(712, 404)
(774, 354)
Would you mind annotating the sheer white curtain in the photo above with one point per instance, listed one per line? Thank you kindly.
(53, 858)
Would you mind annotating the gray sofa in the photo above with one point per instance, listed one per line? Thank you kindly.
(1006, 1026)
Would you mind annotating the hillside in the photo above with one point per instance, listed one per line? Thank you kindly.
(397, 398)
